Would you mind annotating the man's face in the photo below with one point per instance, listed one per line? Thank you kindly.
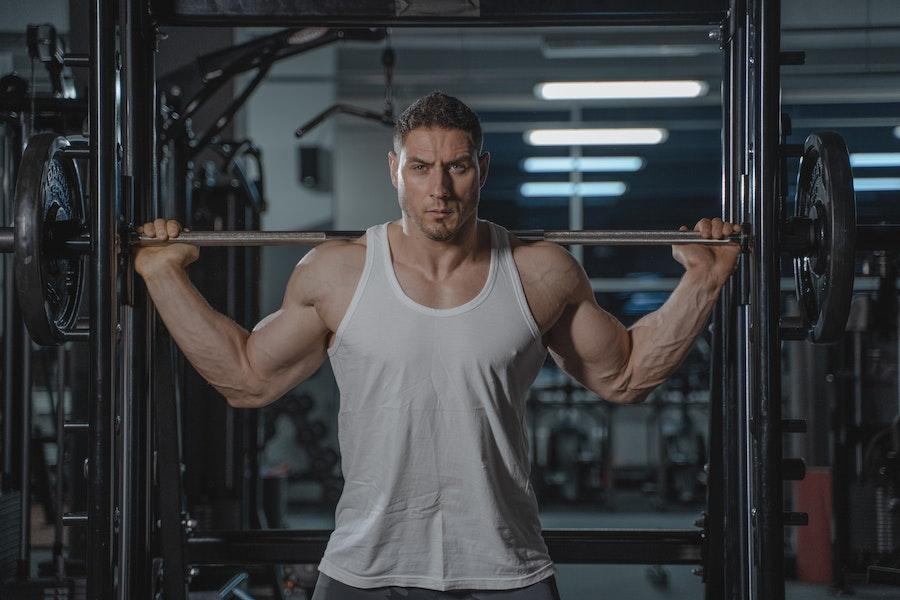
(438, 177)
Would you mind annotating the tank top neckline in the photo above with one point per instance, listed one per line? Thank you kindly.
(428, 310)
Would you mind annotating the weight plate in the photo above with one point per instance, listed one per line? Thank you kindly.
(825, 275)
(49, 206)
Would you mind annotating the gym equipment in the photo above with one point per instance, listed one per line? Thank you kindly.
(49, 208)
(826, 207)
(49, 237)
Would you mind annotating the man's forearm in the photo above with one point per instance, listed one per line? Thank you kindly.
(214, 344)
(661, 339)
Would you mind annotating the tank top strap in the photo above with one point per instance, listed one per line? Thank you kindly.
(505, 256)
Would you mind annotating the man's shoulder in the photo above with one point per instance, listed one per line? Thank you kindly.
(334, 253)
(329, 267)
(539, 255)
(545, 265)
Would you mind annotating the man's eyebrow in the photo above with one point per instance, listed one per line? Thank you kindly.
(460, 158)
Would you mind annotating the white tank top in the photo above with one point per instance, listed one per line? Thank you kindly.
(432, 434)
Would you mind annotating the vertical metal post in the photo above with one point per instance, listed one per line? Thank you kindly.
(61, 379)
(736, 346)
(769, 508)
(25, 457)
(139, 147)
(102, 298)
(12, 151)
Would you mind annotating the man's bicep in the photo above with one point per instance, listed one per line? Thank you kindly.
(591, 345)
(290, 344)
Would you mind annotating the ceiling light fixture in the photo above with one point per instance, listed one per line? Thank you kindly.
(585, 164)
(593, 137)
(876, 184)
(616, 90)
(568, 188)
(875, 159)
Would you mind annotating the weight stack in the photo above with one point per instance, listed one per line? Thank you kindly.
(10, 534)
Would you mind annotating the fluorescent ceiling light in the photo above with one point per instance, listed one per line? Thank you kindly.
(585, 164)
(568, 188)
(876, 184)
(897, 131)
(592, 137)
(623, 51)
(583, 90)
(875, 159)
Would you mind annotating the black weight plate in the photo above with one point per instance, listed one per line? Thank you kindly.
(49, 281)
(825, 276)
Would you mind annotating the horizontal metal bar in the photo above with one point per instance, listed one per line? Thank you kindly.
(882, 575)
(77, 335)
(574, 546)
(667, 284)
(312, 238)
(869, 237)
(76, 426)
(372, 13)
(7, 239)
(70, 519)
(77, 60)
(795, 519)
(77, 151)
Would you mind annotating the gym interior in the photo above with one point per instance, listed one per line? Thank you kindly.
(765, 468)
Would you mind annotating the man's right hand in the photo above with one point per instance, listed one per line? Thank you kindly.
(152, 259)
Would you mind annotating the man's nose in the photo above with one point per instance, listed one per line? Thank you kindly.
(440, 183)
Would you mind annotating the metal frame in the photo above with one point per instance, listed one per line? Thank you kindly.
(133, 407)
(571, 546)
(103, 302)
(749, 501)
(477, 13)
(735, 562)
(767, 507)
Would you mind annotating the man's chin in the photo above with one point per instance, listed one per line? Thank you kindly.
(439, 232)
(443, 234)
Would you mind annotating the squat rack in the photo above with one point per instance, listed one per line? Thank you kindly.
(745, 498)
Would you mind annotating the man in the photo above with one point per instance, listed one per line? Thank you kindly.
(436, 325)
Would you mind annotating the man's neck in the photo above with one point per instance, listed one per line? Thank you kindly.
(435, 258)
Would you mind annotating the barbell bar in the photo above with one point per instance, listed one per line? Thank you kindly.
(312, 238)
(81, 243)
(869, 237)
(49, 240)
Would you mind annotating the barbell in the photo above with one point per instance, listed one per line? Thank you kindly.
(49, 237)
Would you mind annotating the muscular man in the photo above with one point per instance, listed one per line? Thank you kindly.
(436, 325)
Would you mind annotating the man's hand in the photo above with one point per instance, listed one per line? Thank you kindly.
(151, 259)
(718, 261)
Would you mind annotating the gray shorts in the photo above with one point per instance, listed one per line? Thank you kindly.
(330, 589)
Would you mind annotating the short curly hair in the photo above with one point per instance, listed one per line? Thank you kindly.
(437, 109)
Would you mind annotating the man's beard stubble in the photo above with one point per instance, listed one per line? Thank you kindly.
(436, 233)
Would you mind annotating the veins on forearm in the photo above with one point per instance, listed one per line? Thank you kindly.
(661, 339)
(213, 343)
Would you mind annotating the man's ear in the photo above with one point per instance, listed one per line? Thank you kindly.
(484, 162)
(393, 164)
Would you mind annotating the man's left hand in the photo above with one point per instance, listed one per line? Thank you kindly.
(718, 261)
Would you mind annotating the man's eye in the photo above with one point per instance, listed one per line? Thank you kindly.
(458, 167)
(418, 167)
